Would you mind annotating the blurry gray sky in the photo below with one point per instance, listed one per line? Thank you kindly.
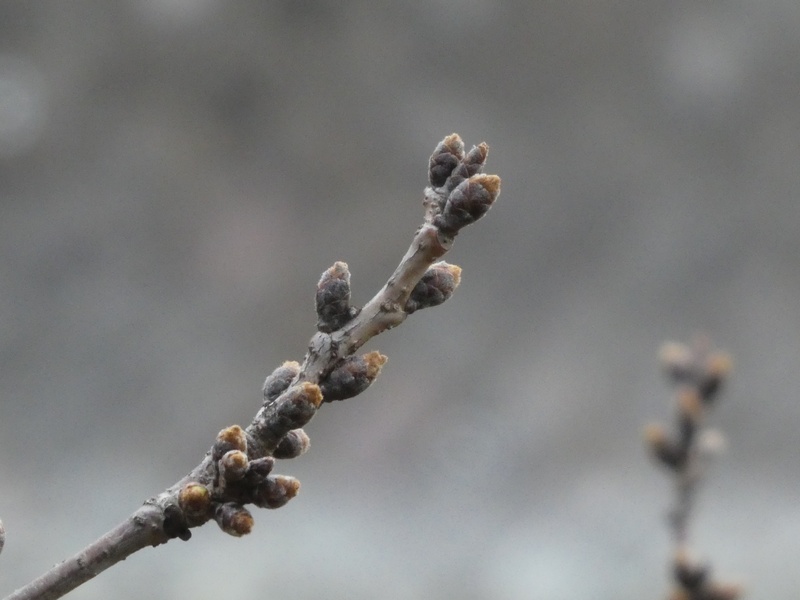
(175, 175)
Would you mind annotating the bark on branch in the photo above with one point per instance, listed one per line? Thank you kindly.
(236, 471)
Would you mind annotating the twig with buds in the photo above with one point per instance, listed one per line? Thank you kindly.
(698, 374)
(237, 470)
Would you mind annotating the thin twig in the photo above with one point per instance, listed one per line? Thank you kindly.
(698, 372)
(236, 470)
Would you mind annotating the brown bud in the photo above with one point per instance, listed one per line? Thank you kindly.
(233, 519)
(690, 405)
(690, 575)
(663, 449)
(470, 165)
(292, 445)
(280, 379)
(353, 376)
(291, 410)
(194, 500)
(276, 491)
(436, 286)
(230, 438)
(258, 469)
(468, 202)
(233, 465)
(333, 298)
(175, 525)
(445, 158)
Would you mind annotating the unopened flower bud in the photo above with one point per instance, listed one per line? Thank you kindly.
(353, 376)
(436, 286)
(280, 379)
(234, 519)
(292, 445)
(194, 500)
(690, 405)
(175, 525)
(468, 202)
(663, 449)
(470, 165)
(258, 469)
(233, 465)
(333, 298)
(275, 491)
(230, 438)
(445, 158)
(690, 575)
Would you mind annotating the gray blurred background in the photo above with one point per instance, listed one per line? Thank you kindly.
(176, 174)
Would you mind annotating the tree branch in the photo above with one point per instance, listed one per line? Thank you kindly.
(236, 471)
(698, 372)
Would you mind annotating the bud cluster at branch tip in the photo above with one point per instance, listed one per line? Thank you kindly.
(436, 286)
(353, 376)
(333, 298)
(460, 193)
(698, 373)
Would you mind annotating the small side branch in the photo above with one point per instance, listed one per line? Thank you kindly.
(698, 373)
(237, 471)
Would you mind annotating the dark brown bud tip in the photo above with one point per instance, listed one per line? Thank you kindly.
(276, 491)
(233, 465)
(468, 202)
(436, 286)
(280, 379)
(233, 519)
(333, 298)
(352, 377)
(445, 158)
(194, 500)
(292, 445)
